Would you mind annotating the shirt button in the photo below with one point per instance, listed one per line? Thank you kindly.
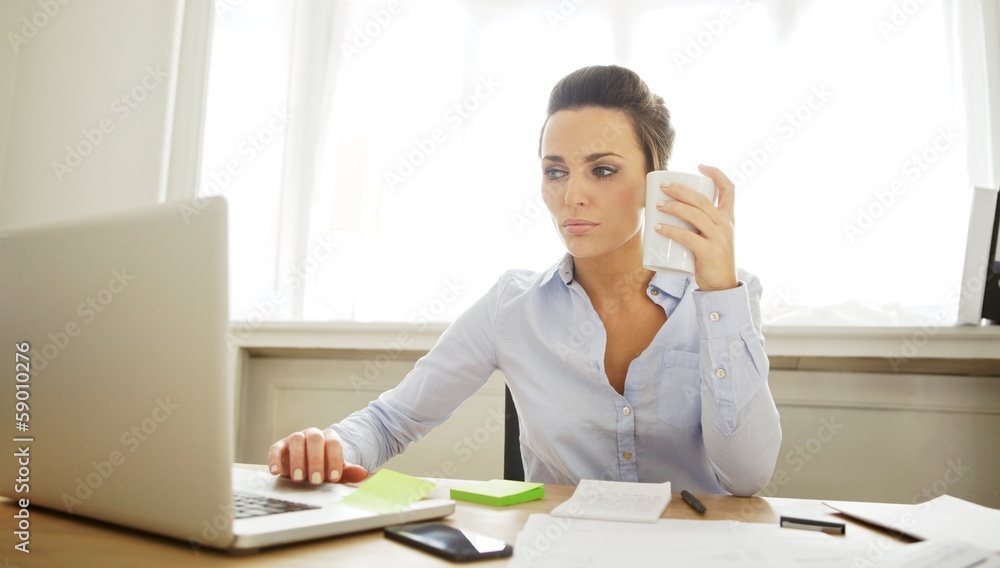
(654, 291)
(720, 373)
(626, 411)
(714, 316)
(627, 456)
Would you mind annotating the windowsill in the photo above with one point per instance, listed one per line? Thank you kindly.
(909, 343)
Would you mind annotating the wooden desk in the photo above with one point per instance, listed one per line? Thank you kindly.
(62, 540)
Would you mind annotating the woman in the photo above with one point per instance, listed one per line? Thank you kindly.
(617, 372)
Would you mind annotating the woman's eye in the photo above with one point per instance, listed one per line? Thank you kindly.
(604, 171)
(553, 173)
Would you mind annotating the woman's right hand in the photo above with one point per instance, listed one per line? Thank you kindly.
(313, 456)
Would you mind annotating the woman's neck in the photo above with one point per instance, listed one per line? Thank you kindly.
(615, 276)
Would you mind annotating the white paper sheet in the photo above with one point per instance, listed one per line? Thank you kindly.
(943, 517)
(556, 542)
(941, 553)
(616, 501)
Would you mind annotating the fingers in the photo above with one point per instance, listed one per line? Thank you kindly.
(694, 208)
(353, 474)
(313, 456)
(726, 189)
(297, 456)
(277, 458)
(698, 210)
(712, 240)
(334, 453)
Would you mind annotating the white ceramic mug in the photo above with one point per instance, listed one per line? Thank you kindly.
(658, 252)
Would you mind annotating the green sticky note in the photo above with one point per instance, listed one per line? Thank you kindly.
(389, 492)
(499, 492)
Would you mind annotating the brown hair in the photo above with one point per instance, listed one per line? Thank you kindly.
(617, 88)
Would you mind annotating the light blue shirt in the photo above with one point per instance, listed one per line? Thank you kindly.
(696, 409)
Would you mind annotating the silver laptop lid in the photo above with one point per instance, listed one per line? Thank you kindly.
(112, 329)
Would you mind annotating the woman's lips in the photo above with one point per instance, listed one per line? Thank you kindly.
(578, 226)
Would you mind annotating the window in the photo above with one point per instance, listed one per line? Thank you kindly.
(404, 178)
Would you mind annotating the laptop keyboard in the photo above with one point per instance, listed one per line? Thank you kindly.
(246, 505)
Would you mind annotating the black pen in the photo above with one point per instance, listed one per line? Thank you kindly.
(693, 501)
(812, 525)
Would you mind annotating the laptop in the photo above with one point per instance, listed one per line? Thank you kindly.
(122, 400)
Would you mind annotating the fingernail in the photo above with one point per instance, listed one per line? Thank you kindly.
(661, 203)
(274, 468)
(659, 226)
(297, 475)
(334, 475)
(316, 478)
(665, 184)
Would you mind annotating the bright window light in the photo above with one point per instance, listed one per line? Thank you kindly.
(841, 123)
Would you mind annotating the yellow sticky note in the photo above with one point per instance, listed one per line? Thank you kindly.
(389, 492)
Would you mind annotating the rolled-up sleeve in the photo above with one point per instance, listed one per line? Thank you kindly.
(740, 423)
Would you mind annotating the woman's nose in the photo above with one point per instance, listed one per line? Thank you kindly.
(576, 192)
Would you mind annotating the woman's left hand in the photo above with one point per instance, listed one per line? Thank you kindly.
(712, 245)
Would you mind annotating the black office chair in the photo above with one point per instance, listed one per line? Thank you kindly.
(513, 466)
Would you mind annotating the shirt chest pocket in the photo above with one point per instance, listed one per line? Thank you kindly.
(680, 391)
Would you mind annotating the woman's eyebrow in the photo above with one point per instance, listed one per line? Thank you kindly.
(597, 156)
(590, 158)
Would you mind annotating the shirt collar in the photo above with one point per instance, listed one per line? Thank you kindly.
(564, 268)
(671, 284)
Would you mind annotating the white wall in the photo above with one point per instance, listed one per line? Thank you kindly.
(868, 414)
(121, 83)
(855, 436)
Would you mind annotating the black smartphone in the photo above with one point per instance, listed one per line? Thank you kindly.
(449, 542)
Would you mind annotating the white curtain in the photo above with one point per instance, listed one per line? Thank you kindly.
(977, 33)
(410, 176)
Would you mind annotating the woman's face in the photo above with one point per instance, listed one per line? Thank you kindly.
(593, 179)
